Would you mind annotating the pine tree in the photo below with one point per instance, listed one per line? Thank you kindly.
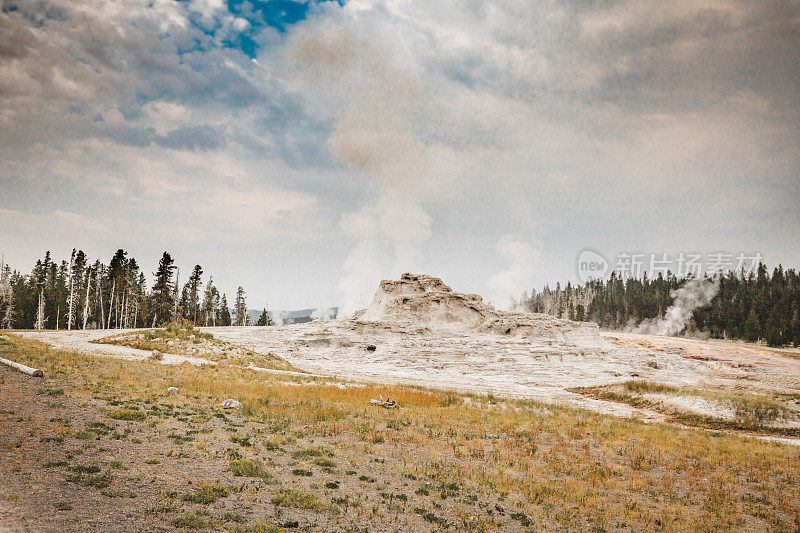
(752, 327)
(240, 308)
(210, 303)
(224, 318)
(264, 319)
(162, 294)
(194, 293)
(773, 334)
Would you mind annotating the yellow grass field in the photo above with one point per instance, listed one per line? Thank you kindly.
(100, 442)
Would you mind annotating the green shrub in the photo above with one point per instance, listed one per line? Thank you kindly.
(242, 441)
(100, 481)
(272, 446)
(206, 494)
(642, 387)
(311, 452)
(294, 498)
(127, 414)
(430, 517)
(248, 468)
(233, 517)
(260, 527)
(90, 469)
(163, 508)
(524, 521)
(191, 521)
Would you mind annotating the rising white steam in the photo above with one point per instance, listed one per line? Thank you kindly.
(281, 317)
(693, 294)
(323, 314)
(377, 131)
(507, 285)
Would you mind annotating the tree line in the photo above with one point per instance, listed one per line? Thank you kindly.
(752, 306)
(79, 294)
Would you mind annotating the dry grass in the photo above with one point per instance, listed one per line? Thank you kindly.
(185, 340)
(474, 466)
(760, 413)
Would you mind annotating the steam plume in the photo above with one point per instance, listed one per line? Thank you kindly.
(323, 314)
(376, 133)
(693, 294)
(507, 285)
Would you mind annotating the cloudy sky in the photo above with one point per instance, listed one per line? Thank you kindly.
(306, 150)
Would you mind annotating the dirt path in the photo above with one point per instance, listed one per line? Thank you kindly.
(82, 341)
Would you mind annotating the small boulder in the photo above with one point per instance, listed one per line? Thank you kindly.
(173, 390)
(371, 348)
(170, 343)
(231, 404)
(156, 355)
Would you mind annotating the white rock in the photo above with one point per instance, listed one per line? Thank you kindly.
(170, 343)
(424, 300)
(173, 390)
(231, 404)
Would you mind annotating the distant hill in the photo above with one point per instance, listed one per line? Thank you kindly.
(299, 316)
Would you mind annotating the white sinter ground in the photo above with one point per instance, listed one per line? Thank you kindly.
(418, 331)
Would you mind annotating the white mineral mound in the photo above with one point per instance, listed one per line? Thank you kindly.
(426, 301)
(418, 331)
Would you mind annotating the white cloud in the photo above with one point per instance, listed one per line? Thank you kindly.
(383, 125)
(56, 221)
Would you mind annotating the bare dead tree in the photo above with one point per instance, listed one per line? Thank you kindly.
(100, 293)
(40, 312)
(6, 294)
(71, 311)
(86, 301)
(175, 295)
(111, 304)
